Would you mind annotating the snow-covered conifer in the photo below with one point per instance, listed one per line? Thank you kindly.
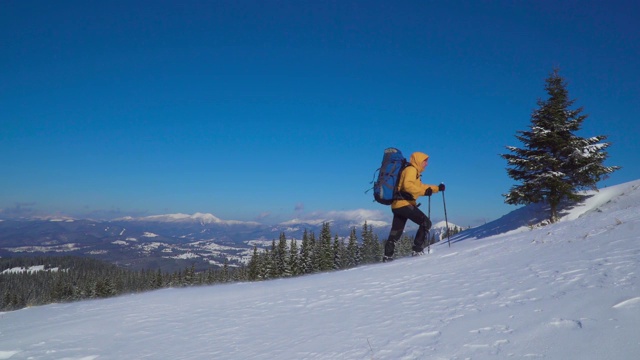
(555, 163)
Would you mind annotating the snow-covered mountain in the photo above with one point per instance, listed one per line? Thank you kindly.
(198, 218)
(509, 289)
(439, 230)
(170, 242)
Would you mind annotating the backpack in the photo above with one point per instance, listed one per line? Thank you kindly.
(385, 187)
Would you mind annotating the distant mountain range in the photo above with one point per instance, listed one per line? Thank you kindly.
(200, 218)
(168, 242)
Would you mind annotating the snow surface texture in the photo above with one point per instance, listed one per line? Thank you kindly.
(562, 291)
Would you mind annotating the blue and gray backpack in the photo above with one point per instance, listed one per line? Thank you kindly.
(385, 187)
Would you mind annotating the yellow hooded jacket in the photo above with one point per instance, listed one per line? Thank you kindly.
(411, 183)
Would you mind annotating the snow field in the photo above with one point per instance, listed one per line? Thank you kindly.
(564, 291)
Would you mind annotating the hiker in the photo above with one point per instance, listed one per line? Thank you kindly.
(404, 207)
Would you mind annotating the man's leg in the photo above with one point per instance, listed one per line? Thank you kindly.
(424, 224)
(397, 227)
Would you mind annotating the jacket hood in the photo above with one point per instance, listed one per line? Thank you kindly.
(416, 160)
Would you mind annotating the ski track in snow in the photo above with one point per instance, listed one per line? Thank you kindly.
(568, 290)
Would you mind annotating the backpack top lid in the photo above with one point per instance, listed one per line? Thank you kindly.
(392, 150)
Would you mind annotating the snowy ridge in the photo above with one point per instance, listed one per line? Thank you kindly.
(439, 230)
(55, 218)
(568, 290)
(353, 218)
(536, 215)
(441, 226)
(318, 222)
(202, 218)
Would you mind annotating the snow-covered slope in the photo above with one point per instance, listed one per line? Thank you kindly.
(536, 215)
(569, 290)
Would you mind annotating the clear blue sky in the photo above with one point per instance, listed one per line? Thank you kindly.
(270, 110)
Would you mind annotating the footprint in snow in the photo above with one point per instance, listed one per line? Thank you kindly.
(566, 324)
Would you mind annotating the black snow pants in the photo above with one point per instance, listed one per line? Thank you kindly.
(400, 217)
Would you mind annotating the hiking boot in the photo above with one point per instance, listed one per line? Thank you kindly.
(387, 258)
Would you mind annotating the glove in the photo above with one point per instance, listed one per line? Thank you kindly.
(441, 187)
(428, 192)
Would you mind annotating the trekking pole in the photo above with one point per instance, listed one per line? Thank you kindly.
(429, 235)
(445, 219)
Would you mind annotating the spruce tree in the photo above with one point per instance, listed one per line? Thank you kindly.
(353, 251)
(370, 246)
(315, 247)
(211, 276)
(226, 274)
(404, 247)
(306, 263)
(254, 265)
(282, 253)
(189, 275)
(157, 281)
(264, 269)
(294, 258)
(339, 250)
(555, 163)
(326, 250)
(272, 261)
(378, 249)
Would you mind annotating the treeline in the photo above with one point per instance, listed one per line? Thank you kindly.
(71, 278)
(325, 253)
(311, 255)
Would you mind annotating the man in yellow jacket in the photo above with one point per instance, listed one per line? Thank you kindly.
(405, 207)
